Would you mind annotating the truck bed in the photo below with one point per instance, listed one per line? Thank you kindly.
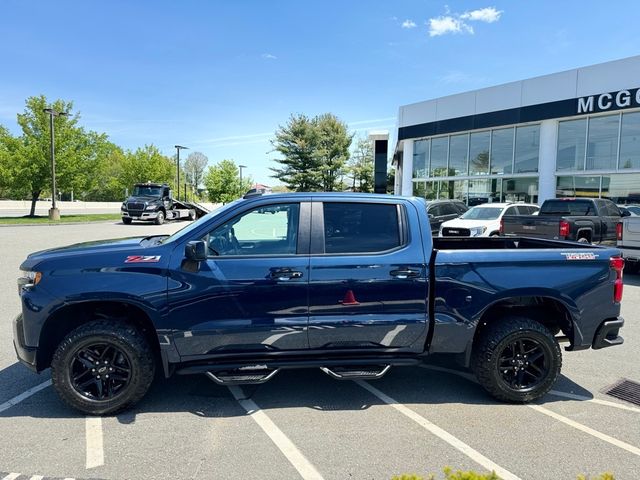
(504, 243)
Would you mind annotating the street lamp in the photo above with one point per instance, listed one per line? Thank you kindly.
(178, 148)
(54, 213)
(240, 167)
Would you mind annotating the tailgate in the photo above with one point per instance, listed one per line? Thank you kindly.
(531, 226)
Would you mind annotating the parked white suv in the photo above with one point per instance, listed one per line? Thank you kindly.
(484, 220)
(628, 234)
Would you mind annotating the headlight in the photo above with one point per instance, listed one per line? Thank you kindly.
(151, 207)
(477, 231)
(124, 206)
(28, 280)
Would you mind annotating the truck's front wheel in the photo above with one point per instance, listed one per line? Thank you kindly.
(517, 359)
(160, 218)
(103, 367)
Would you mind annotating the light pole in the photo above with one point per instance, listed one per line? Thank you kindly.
(178, 148)
(240, 167)
(54, 213)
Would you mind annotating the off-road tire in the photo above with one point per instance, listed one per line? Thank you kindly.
(124, 337)
(495, 341)
(126, 220)
(160, 218)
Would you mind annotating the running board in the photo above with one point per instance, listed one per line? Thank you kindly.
(368, 372)
(243, 376)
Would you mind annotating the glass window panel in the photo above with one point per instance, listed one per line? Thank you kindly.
(622, 188)
(578, 186)
(419, 189)
(252, 233)
(484, 191)
(445, 190)
(571, 139)
(520, 190)
(460, 190)
(458, 149)
(602, 147)
(502, 150)
(630, 141)
(420, 158)
(360, 227)
(527, 149)
(479, 153)
(431, 190)
(439, 151)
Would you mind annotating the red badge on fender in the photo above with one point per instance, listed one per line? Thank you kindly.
(142, 259)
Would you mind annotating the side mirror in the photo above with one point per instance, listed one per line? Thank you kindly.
(625, 213)
(430, 216)
(196, 251)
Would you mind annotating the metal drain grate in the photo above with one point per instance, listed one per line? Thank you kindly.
(626, 390)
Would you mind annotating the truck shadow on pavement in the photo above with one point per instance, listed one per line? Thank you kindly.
(631, 279)
(289, 389)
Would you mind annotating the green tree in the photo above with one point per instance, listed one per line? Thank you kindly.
(146, 164)
(332, 150)
(361, 166)
(194, 167)
(76, 163)
(296, 142)
(9, 146)
(222, 182)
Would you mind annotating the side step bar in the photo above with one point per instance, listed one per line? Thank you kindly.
(243, 376)
(370, 372)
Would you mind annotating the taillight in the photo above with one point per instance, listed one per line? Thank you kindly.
(501, 227)
(617, 265)
(564, 228)
(619, 230)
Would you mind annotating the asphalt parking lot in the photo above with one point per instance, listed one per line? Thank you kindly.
(303, 424)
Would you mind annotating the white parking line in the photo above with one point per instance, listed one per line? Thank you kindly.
(306, 470)
(36, 477)
(557, 393)
(93, 442)
(585, 429)
(440, 433)
(23, 396)
(11, 476)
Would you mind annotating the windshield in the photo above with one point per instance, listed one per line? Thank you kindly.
(577, 208)
(195, 225)
(482, 213)
(146, 191)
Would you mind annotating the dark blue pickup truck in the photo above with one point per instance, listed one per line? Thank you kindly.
(349, 283)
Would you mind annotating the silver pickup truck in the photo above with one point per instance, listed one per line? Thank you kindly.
(628, 234)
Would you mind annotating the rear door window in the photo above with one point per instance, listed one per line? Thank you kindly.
(360, 227)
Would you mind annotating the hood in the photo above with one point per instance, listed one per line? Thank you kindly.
(463, 223)
(132, 245)
(143, 198)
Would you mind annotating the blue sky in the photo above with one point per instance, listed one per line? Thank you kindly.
(220, 77)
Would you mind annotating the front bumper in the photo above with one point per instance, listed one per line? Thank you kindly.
(607, 334)
(143, 216)
(26, 355)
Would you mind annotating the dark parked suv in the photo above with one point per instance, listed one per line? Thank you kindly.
(440, 211)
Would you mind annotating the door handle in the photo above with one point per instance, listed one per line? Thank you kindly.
(404, 273)
(284, 274)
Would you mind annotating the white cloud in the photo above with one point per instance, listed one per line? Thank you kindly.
(268, 56)
(458, 23)
(488, 15)
(408, 24)
(447, 24)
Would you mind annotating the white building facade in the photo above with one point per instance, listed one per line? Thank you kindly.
(569, 134)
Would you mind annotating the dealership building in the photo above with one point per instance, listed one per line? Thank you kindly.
(569, 134)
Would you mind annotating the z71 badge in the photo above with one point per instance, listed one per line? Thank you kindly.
(143, 259)
(580, 256)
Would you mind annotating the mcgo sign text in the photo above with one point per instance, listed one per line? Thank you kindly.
(609, 101)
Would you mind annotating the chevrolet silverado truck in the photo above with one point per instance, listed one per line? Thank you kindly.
(352, 284)
(584, 220)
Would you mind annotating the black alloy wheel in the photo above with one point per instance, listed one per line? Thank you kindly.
(103, 366)
(100, 371)
(516, 359)
(523, 364)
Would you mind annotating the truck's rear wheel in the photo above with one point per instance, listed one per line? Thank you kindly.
(103, 367)
(517, 359)
(160, 218)
(126, 220)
